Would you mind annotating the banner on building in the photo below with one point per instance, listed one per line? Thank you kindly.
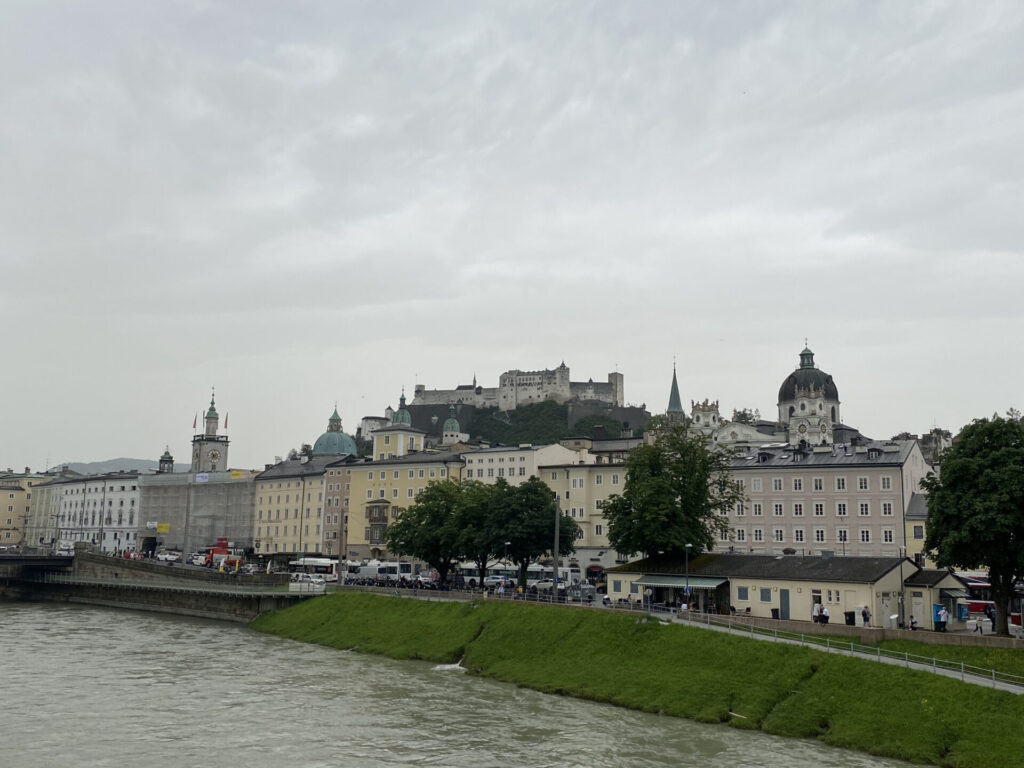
(151, 526)
(236, 474)
(163, 527)
(202, 477)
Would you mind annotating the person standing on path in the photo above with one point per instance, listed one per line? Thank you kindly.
(943, 618)
(865, 614)
(824, 615)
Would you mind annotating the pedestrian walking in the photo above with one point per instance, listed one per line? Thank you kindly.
(823, 618)
(943, 618)
(865, 614)
(816, 613)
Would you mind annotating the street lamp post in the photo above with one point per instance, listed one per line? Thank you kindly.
(903, 555)
(687, 590)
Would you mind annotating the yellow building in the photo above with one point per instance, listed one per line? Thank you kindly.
(582, 491)
(15, 512)
(380, 490)
(289, 507)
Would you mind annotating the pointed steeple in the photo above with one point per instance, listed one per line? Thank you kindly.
(675, 410)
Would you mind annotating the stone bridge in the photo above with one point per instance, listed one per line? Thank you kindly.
(147, 585)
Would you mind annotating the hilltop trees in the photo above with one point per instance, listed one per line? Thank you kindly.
(676, 489)
(976, 506)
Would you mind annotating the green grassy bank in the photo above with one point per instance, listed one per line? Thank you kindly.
(682, 671)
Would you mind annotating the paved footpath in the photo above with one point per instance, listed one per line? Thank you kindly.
(963, 675)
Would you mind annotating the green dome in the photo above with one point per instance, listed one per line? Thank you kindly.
(334, 444)
(402, 415)
(451, 424)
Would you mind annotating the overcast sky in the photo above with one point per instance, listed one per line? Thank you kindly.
(304, 203)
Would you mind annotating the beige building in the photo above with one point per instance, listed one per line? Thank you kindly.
(379, 491)
(16, 490)
(846, 499)
(289, 508)
(582, 490)
(767, 586)
(518, 463)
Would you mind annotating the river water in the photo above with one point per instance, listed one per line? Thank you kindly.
(90, 687)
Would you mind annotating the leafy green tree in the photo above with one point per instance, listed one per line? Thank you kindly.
(524, 516)
(480, 536)
(430, 528)
(746, 416)
(976, 506)
(676, 489)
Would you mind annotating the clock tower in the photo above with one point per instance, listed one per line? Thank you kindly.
(210, 450)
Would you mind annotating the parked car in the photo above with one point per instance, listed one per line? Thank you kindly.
(168, 556)
(495, 581)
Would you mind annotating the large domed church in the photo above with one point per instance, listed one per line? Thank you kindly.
(809, 403)
(808, 408)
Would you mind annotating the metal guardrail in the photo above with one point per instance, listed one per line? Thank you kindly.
(869, 652)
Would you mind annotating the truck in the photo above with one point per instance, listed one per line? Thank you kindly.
(219, 556)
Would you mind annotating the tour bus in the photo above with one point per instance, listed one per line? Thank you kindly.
(321, 566)
(385, 571)
(470, 573)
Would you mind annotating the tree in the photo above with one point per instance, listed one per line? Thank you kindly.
(524, 516)
(976, 506)
(429, 529)
(746, 416)
(479, 536)
(676, 489)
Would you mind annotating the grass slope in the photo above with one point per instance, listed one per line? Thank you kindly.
(683, 671)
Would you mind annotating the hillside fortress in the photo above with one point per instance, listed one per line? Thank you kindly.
(516, 388)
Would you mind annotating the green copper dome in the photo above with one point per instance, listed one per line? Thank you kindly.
(451, 424)
(402, 415)
(334, 442)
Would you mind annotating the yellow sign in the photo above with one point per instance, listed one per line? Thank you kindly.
(236, 474)
(163, 527)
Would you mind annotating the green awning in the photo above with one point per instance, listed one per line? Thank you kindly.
(953, 593)
(680, 582)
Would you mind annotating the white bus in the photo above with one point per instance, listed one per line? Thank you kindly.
(321, 566)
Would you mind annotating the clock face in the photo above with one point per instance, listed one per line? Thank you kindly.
(824, 428)
(802, 428)
(214, 455)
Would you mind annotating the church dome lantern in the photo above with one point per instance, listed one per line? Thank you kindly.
(334, 442)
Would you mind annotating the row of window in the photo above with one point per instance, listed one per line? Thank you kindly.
(277, 514)
(413, 473)
(778, 535)
(68, 491)
(277, 530)
(581, 482)
(817, 483)
(818, 508)
(501, 460)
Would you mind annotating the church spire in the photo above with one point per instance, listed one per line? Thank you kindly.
(675, 410)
